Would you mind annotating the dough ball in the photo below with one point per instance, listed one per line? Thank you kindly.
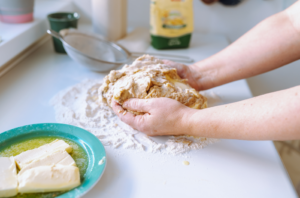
(148, 77)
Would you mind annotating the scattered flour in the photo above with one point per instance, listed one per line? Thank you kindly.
(79, 106)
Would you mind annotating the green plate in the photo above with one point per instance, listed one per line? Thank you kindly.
(92, 146)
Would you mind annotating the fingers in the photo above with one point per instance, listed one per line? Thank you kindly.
(124, 115)
(181, 68)
(135, 121)
(171, 63)
(138, 105)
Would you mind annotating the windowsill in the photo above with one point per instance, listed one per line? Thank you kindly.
(17, 37)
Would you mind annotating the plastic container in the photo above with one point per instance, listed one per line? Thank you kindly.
(59, 21)
(16, 11)
(110, 18)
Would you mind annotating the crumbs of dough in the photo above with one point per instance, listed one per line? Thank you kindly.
(184, 140)
(186, 163)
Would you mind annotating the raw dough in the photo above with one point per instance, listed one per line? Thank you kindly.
(149, 77)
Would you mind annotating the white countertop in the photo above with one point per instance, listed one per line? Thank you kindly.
(229, 168)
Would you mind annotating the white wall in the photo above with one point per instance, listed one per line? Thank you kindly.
(216, 18)
(230, 21)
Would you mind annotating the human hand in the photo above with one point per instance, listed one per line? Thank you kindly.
(163, 116)
(186, 72)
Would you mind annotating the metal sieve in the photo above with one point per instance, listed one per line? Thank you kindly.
(98, 54)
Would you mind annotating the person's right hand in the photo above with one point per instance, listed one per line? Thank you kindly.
(186, 72)
(163, 116)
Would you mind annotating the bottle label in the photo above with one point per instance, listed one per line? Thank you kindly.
(172, 22)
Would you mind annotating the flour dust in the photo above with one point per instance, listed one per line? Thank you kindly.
(79, 106)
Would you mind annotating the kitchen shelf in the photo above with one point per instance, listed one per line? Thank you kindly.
(17, 37)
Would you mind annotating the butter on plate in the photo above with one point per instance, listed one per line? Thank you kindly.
(60, 157)
(49, 179)
(8, 177)
(45, 169)
(27, 157)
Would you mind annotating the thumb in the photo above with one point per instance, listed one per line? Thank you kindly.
(170, 63)
(138, 105)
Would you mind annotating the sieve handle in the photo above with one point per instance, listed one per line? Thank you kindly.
(176, 58)
(55, 34)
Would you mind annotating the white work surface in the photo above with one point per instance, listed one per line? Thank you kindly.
(229, 168)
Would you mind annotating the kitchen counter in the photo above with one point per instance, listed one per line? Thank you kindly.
(229, 168)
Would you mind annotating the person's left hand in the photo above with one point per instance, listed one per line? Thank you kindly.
(163, 116)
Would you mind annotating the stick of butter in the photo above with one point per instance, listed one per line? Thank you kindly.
(8, 177)
(49, 179)
(27, 157)
(60, 157)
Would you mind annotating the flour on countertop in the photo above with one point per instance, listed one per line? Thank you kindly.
(79, 106)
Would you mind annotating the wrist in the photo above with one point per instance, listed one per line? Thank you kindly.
(187, 125)
(201, 123)
(204, 73)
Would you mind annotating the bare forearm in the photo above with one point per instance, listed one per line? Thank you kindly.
(272, 43)
(274, 116)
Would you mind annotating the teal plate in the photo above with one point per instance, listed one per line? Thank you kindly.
(90, 144)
